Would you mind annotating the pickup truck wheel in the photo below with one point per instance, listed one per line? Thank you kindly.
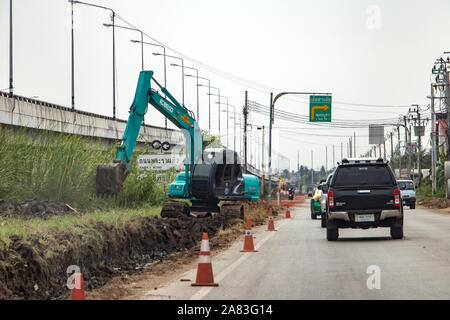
(323, 220)
(397, 232)
(313, 216)
(412, 205)
(332, 234)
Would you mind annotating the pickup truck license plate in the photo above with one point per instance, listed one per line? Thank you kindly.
(365, 218)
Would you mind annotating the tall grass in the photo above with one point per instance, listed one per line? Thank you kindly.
(62, 168)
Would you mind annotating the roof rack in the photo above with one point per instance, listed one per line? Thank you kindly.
(362, 160)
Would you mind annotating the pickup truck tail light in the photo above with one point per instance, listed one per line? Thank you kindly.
(397, 197)
(330, 198)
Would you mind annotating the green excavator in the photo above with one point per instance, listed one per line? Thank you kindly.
(210, 177)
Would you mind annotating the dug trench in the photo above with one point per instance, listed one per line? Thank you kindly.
(35, 267)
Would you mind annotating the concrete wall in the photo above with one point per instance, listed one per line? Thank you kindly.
(29, 113)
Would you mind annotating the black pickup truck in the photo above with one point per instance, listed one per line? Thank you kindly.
(363, 193)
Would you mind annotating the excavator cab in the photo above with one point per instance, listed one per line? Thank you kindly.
(217, 174)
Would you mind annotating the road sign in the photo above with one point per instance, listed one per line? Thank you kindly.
(419, 131)
(320, 108)
(376, 134)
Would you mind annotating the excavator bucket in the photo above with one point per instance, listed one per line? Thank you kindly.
(110, 178)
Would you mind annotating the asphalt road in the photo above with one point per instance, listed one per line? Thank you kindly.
(297, 262)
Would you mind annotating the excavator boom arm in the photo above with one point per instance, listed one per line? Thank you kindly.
(110, 178)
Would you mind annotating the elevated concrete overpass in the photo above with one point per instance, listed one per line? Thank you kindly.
(22, 112)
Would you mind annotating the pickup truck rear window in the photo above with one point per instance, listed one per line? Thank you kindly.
(363, 175)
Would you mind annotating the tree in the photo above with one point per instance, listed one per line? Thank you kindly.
(210, 140)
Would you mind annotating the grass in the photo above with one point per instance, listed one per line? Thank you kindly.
(73, 222)
(62, 168)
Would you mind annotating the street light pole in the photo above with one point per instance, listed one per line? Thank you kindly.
(165, 66)
(11, 88)
(73, 61)
(113, 14)
(182, 71)
(218, 90)
(209, 101)
(188, 75)
(142, 40)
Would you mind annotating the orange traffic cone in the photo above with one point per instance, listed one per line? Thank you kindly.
(248, 241)
(205, 276)
(271, 226)
(288, 212)
(78, 287)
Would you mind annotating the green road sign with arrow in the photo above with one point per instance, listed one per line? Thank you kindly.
(320, 108)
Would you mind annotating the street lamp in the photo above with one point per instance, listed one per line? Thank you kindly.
(177, 65)
(234, 123)
(210, 94)
(113, 14)
(165, 65)
(11, 49)
(209, 99)
(182, 70)
(228, 141)
(142, 39)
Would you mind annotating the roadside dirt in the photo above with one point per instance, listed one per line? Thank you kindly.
(35, 268)
(436, 203)
(130, 287)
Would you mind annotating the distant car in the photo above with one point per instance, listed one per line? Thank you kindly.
(324, 202)
(408, 192)
(310, 189)
(363, 193)
(315, 203)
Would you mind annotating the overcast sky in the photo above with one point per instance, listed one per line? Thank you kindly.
(363, 52)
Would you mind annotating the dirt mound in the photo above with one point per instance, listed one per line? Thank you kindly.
(32, 209)
(436, 203)
(36, 268)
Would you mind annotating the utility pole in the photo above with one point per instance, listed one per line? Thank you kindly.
(326, 158)
(384, 147)
(433, 144)
(410, 153)
(392, 152)
(263, 167)
(334, 163)
(350, 146)
(245, 131)
(312, 167)
(341, 152)
(418, 126)
(407, 146)
(354, 144)
(399, 154)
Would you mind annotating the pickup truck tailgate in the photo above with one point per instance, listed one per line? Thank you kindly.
(363, 198)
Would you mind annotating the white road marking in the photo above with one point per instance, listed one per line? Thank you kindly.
(200, 294)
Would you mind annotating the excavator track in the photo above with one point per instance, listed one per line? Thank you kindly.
(234, 210)
(175, 209)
